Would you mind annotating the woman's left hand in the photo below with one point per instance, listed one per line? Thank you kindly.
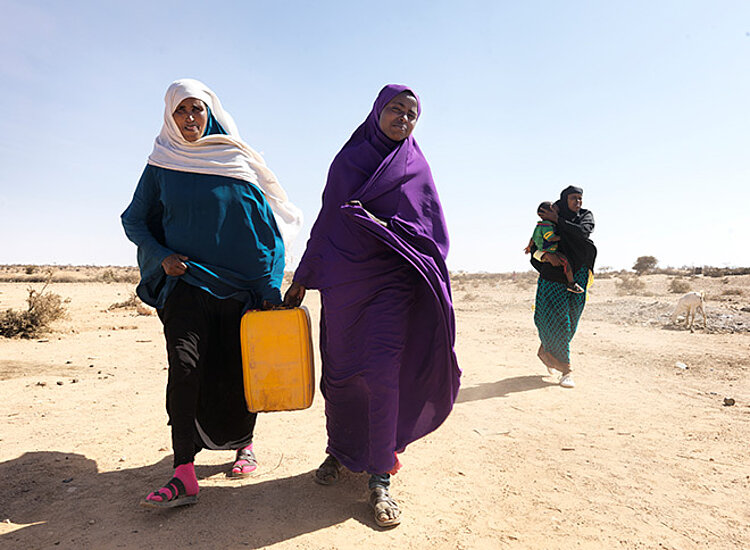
(548, 214)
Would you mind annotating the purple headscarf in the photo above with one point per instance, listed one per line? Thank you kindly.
(392, 181)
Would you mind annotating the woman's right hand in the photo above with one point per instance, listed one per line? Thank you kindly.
(174, 265)
(294, 295)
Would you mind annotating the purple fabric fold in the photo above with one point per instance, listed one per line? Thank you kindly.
(377, 253)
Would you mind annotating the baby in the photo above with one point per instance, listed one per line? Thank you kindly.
(545, 239)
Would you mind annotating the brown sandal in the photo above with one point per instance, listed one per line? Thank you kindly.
(329, 471)
(387, 512)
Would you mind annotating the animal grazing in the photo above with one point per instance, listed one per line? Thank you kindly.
(688, 305)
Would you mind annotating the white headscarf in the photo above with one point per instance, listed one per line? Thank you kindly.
(220, 155)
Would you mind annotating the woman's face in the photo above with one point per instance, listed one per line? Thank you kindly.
(191, 117)
(575, 201)
(399, 116)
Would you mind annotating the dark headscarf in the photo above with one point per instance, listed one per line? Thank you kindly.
(574, 229)
(562, 204)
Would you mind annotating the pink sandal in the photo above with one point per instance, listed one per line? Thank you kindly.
(245, 464)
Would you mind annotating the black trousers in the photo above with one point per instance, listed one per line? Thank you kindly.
(205, 396)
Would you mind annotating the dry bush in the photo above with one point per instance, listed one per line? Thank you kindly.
(731, 292)
(629, 284)
(42, 309)
(68, 274)
(525, 277)
(461, 278)
(133, 302)
(678, 285)
(109, 275)
(130, 303)
(709, 271)
(673, 271)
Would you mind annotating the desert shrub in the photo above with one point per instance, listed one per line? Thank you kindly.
(143, 309)
(710, 271)
(732, 292)
(673, 271)
(526, 277)
(42, 309)
(629, 284)
(133, 302)
(131, 277)
(678, 285)
(130, 303)
(644, 264)
(108, 276)
(30, 269)
(111, 276)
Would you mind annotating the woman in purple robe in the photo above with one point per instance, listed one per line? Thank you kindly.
(377, 255)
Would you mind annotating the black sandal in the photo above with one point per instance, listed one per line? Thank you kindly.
(387, 512)
(173, 494)
(329, 471)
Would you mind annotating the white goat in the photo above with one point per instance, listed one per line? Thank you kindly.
(688, 305)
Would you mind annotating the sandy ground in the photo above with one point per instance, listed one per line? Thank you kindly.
(641, 454)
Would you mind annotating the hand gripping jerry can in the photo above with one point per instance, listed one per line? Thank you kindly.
(277, 359)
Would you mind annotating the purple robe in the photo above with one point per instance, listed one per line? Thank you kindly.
(377, 254)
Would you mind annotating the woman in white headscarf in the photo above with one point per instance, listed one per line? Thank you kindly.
(211, 222)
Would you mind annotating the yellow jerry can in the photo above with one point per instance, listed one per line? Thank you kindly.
(277, 359)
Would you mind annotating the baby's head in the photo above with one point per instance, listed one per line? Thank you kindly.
(546, 205)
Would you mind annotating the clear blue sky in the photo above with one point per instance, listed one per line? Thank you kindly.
(644, 104)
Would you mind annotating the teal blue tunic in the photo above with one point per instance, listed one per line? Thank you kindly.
(223, 225)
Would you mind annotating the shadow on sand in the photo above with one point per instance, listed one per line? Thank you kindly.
(502, 388)
(63, 501)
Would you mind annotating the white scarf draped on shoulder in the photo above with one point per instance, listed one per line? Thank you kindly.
(220, 155)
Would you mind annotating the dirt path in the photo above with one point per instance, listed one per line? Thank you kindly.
(642, 454)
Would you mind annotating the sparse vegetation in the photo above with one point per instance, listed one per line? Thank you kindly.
(133, 302)
(130, 303)
(68, 274)
(732, 292)
(629, 284)
(42, 309)
(111, 276)
(678, 285)
(709, 271)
